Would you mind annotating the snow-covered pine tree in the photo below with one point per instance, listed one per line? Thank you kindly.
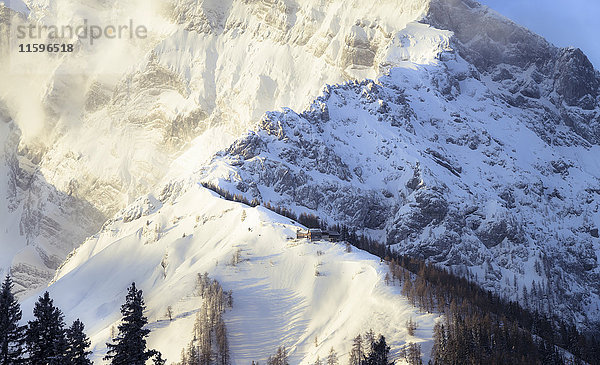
(204, 332)
(45, 335)
(184, 358)
(282, 355)
(77, 345)
(280, 358)
(192, 355)
(411, 326)
(356, 353)
(222, 343)
(12, 335)
(413, 354)
(129, 346)
(369, 339)
(332, 358)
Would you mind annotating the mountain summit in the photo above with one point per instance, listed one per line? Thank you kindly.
(438, 127)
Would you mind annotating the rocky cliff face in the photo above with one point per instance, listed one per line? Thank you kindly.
(102, 128)
(440, 163)
(529, 68)
(108, 134)
(40, 224)
(474, 147)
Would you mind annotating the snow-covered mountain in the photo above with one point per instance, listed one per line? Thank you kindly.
(472, 144)
(479, 161)
(39, 224)
(462, 182)
(308, 297)
(103, 127)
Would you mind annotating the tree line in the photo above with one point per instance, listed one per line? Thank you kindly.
(44, 340)
(209, 344)
(307, 219)
(468, 305)
(228, 196)
(366, 349)
(480, 326)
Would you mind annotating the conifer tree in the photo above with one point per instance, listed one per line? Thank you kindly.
(369, 339)
(412, 354)
(184, 358)
(440, 345)
(379, 352)
(280, 358)
(192, 356)
(356, 353)
(77, 345)
(12, 335)
(158, 360)
(222, 343)
(129, 347)
(45, 335)
(332, 358)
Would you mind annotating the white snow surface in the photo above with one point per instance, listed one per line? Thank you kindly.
(103, 125)
(86, 135)
(459, 179)
(277, 297)
(110, 118)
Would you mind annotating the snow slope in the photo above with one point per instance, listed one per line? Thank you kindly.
(104, 124)
(163, 242)
(439, 166)
(476, 148)
(108, 120)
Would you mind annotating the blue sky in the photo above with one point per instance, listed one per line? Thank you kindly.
(561, 22)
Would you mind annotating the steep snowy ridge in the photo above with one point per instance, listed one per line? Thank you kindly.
(39, 225)
(460, 179)
(104, 127)
(285, 291)
(204, 64)
(474, 147)
(561, 83)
